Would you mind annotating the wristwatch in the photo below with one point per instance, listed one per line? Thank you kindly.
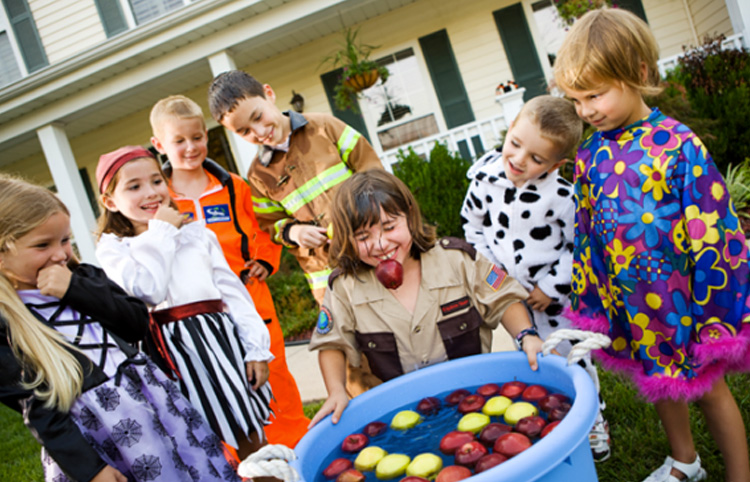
(527, 331)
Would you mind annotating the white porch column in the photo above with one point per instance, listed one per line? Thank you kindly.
(70, 187)
(739, 14)
(243, 151)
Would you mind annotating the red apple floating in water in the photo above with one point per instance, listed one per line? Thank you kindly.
(453, 473)
(453, 440)
(511, 444)
(558, 413)
(351, 475)
(456, 396)
(489, 390)
(373, 429)
(489, 461)
(336, 467)
(471, 403)
(549, 402)
(469, 453)
(512, 389)
(413, 478)
(534, 393)
(354, 442)
(390, 273)
(491, 432)
(550, 426)
(429, 406)
(530, 426)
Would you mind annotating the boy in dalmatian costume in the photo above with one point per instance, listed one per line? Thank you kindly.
(519, 213)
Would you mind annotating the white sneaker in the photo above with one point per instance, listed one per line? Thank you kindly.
(600, 441)
(693, 472)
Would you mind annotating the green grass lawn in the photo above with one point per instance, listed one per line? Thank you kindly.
(639, 445)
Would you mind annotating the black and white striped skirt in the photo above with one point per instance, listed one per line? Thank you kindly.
(206, 350)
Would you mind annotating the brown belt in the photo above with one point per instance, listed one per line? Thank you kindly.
(175, 313)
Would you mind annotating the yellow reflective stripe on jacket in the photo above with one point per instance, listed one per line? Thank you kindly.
(263, 205)
(315, 187)
(347, 141)
(278, 230)
(318, 279)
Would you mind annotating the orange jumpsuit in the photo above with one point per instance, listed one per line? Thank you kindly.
(215, 207)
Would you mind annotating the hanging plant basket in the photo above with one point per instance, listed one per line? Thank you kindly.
(359, 82)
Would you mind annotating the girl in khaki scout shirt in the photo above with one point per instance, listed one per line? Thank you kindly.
(448, 302)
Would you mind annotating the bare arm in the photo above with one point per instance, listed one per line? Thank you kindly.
(333, 367)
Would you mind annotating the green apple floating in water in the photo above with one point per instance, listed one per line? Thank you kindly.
(405, 419)
(519, 410)
(391, 466)
(496, 406)
(425, 465)
(473, 422)
(368, 458)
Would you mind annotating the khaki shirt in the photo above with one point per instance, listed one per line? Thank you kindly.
(461, 299)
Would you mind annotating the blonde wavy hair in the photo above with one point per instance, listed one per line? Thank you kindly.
(56, 375)
(608, 45)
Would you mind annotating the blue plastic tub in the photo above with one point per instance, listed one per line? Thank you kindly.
(563, 455)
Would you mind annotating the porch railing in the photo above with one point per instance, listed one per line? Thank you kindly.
(469, 140)
(736, 41)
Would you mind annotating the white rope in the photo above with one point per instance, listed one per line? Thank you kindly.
(589, 341)
(270, 461)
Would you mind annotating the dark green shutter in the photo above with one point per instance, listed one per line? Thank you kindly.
(330, 80)
(446, 79)
(635, 6)
(520, 49)
(112, 17)
(27, 37)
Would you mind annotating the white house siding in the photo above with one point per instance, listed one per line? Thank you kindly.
(67, 27)
(669, 22)
(710, 17)
(471, 29)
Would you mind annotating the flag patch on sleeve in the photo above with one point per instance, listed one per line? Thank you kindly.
(325, 321)
(495, 277)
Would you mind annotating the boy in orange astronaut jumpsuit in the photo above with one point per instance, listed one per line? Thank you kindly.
(204, 190)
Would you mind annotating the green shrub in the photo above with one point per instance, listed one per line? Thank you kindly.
(439, 185)
(717, 82)
(738, 185)
(295, 305)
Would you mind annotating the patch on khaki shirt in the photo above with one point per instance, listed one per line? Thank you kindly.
(495, 277)
(325, 321)
(455, 305)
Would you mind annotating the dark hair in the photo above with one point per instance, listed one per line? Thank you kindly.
(357, 203)
(228, 88)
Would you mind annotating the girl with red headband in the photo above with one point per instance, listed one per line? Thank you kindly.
(204, 323)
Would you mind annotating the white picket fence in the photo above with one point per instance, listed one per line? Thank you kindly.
(487, 131)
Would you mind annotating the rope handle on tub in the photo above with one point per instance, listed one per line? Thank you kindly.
(270, 461)
(589, 340)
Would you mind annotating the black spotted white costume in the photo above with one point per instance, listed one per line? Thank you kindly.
(528, 230)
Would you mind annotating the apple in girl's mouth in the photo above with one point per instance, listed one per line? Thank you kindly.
(390, 273)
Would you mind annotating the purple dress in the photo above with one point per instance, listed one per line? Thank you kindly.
(660, 261)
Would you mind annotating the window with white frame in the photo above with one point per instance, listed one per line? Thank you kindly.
(10, 71)
(550, 26)
(402, 109)
(120, 15)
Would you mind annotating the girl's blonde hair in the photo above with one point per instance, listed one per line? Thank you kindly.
(357, 204)
(115, 222)
(608, 45)
(56, 375)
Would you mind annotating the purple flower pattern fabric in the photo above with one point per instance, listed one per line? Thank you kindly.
(660, 261)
